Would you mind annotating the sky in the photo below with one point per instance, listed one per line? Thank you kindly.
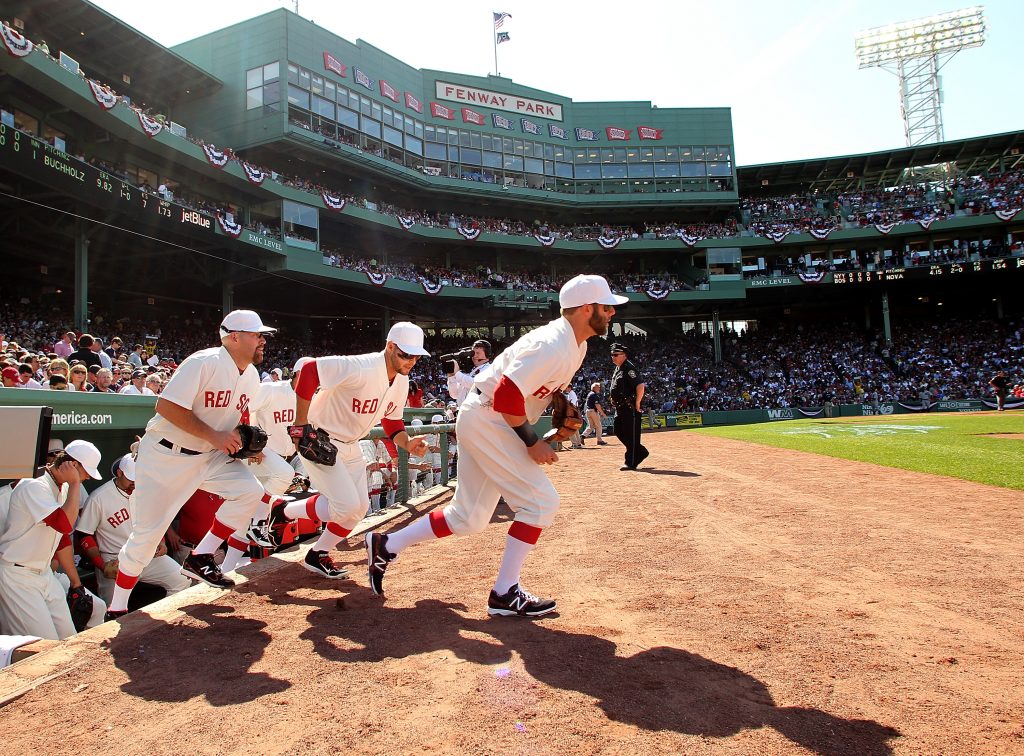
(786, 68)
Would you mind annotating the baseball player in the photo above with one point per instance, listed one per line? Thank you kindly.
(434, 445)
(273, 409)
(374, 476)
(500, 455)
(103, 528)
(419, 465)
(460, 382)
(187, 446)
(38, 523)
(355, 392)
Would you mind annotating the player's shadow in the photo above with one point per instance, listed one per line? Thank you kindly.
(179, 662)
(676, 473)
(661, 688)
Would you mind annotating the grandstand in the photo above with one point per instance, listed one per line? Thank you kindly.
(276, 165)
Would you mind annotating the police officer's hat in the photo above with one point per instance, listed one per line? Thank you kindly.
(617, 347)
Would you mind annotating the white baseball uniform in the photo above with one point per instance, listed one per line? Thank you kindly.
(493, 461)
(355, 394)
(374, 478)
(107, 516)
(31, 599)
(273, 409)
(207, 383)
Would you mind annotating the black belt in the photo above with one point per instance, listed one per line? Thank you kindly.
(181, 449)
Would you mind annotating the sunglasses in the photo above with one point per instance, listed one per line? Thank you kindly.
(405, 356)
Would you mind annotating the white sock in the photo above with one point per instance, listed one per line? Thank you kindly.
(326, 541)
(119, 601)
(209, 544)
(512, 562)
(231, 560)
(417, 531)
(297, 509)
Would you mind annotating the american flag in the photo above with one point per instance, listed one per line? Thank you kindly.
(503, 37)
(499, 19)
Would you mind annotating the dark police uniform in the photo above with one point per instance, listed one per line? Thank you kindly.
(627, 419)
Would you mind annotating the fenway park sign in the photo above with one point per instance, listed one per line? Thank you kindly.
(497, 101)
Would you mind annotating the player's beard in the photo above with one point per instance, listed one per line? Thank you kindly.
(257, 355)
(599, 322)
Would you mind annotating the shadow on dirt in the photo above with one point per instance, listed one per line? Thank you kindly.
(176, 662)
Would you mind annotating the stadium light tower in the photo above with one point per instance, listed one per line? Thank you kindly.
(915, 51)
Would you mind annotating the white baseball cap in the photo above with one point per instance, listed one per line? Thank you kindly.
(417, 421)
(437, 419)
(302, 361)
(244, 320)
(127, 467)
(408, 337)
(277, 371)
(85, 454)
(583, 290)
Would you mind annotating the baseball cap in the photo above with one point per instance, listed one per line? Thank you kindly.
(86, 454)
(246, 321)
(408, 337)
(127, 466)
(582, 290)
(11, 374)
(617, 347)
(56, 445)
(277, 371)
(437, 419)
(301, 362)
(417, 421)
(139, 374)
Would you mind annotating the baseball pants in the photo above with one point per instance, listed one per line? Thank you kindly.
(162, 571)
(165, 479)
(273, 472)
(594, 424)
(32, 603)
(494, 464)
(343, 483)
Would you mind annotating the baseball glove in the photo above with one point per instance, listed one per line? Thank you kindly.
(314, 444)
(80, 604)
(254, 439)
(565, 419)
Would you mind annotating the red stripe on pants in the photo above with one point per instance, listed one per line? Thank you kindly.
(221, 530)
(438, 524)
(126, 581)
(525, 533)
(336, 529)
(235, 543)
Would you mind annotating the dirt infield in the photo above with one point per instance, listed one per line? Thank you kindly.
(726, 598)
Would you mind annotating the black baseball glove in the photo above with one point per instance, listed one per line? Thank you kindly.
(80, 604)
(254, 440)
(314, 444)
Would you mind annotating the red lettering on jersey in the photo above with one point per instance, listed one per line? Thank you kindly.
(542, 392)
(217, 399)
(390, 409)
(208, 399)
(365, 407)
(118, 518)
(243, 408)
(284, 416)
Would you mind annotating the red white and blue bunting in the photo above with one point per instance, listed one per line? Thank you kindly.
(17, 44)
(433, 289)
(885, 228)
(229, 227)
(1007, 215)
(688, 240)
(469, 233)
(151, 126)
(332, 202)
(821, 233)
(776, 236)
(215, 157)
(255, 175)
(657, 293)
(609, 242)
(926, 223)
(104, 97)
(812, 276)
(546, 240)
(377, 278)
(406, 221)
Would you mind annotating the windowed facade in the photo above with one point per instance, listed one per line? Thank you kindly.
(337, 112)
(263, 88)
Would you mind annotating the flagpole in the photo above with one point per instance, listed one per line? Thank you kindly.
(494, 38)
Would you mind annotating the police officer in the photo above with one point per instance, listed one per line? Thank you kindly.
(627, 394)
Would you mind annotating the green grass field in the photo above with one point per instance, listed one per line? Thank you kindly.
(957, 445)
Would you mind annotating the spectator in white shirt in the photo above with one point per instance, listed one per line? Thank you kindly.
(97, 348)
(138, 385)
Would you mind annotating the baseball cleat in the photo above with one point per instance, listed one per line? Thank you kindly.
(377, 560)
(518, 603)
(277, 516)
(111, 616)
(320, 563)
(260, 534)
(201, 567)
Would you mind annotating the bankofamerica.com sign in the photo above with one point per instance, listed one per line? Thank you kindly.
(497, 100)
